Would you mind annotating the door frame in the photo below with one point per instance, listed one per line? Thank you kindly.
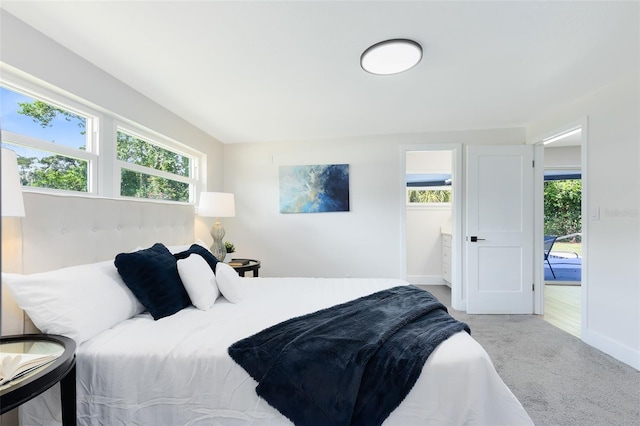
(538, 141)
(458, 295)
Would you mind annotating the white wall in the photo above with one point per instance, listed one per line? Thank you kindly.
(364, 242)
(562, 157)
(367, 240)
(424, 240)
(36, 57)
(611, 176)
(424, 243)
(421, 162)
(28, 54)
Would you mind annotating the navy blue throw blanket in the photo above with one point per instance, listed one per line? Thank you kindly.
(350, 364)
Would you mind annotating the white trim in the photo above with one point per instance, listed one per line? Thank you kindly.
(538, 229)
(427, 280)
(53, 191)
(101, 138)
(621, 352)
(152, 172)
(168, 144)
(35, 87)
(428, 206)
(458, 290)
(571, 167)
(90, 154)
(155, 138)
(584, 140)
(54, 148)
(38, 92)
(539, 213)
(562, 135)
(458, 293)
(402, 202)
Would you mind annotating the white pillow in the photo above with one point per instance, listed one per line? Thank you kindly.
(78, 302)
(199, 281)
(178, 249)
(229, 283)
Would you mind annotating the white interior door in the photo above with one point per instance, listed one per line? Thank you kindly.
(499, 243)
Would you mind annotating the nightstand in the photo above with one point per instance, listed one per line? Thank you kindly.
(62, 369)
(252, 265)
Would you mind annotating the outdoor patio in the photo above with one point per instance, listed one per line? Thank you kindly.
(566, 269)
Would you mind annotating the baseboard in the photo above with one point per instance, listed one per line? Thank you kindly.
(622, 353)
(426, 280)
(571, 283)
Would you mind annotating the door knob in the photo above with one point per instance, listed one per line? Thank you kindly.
(475, 239)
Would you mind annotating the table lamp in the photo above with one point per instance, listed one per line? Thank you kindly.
(217, 204)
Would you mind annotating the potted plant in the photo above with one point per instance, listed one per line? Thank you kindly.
(230, 249)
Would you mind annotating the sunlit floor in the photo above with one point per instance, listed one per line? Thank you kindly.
(562, 307)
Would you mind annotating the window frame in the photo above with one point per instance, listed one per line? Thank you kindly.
(414, 204)
(154, 138)
(92, 120)
(101, 126)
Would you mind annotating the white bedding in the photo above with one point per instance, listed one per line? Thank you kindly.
(176, 371)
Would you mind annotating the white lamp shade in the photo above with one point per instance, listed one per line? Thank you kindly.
(216, 204)
(12, 204)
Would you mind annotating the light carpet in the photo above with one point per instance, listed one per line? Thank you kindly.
(559, 379)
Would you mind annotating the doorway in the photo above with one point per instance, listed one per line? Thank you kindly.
(561, 279)
(432, 217)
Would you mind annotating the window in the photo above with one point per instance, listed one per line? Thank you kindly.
(431, 195)
(65, 145)
(429, 189)
(150, 169)
(54, 143)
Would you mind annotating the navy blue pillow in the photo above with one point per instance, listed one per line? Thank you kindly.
(152, 276)
(198, 249)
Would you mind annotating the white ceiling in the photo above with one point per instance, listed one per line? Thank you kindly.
(275, 71)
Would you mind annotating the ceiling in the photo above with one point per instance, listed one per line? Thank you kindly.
(277, 71)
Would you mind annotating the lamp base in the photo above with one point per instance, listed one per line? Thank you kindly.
(217, 248)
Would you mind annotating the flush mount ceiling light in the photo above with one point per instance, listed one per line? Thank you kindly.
(391, 56)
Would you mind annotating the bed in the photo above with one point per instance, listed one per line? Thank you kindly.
(133, 369)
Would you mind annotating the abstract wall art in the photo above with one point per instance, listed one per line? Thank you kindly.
(314, 189)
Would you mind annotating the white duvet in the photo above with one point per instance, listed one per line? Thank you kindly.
(176, 371)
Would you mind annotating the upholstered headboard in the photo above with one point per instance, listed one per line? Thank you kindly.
(60, 231)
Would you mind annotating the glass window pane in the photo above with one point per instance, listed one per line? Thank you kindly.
(429, 196)
(141, 185)
(31, 117)
(137, 151)
(44, 169)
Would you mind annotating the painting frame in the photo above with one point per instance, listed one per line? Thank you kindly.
(318, 188)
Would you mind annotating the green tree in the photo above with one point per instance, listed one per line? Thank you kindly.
(135, 184)
(429, 196)
(562, 207)
(61, 172)
(54, 171)
(43, 114)
(26, 166)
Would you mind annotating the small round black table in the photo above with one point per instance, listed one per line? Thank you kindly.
(252, 265)
(62, 369)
